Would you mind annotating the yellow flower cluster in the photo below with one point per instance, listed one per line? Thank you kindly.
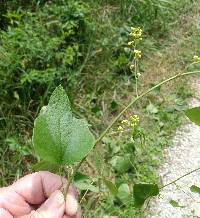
(135, 119)
(136, 33)
(132, 122)
(196, 59)
(136, 36)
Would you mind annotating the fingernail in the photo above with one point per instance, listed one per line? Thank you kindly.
(71, 205)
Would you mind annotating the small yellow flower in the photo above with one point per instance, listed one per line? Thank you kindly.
(131, 43)
(132, 67)
(137, 54)
(125, 122)
(120, 129)
(196, 58)
(138, 74)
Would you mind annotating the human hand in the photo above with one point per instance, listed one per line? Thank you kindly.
(38, 195)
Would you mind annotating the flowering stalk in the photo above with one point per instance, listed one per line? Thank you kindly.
(136, 37)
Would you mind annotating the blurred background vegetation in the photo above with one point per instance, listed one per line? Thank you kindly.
(83, 46)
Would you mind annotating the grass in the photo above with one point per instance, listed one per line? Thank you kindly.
(110, 87)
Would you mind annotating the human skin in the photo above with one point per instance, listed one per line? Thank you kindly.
(38, 195)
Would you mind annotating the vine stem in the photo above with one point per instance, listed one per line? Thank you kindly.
(174, 181)
(119, 116)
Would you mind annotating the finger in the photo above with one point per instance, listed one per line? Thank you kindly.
(53, 207)
(5, 214)
(78, 215)
(72, 205)
(13, 202)
(36, 187)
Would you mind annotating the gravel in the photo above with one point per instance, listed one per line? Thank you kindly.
(180, 158)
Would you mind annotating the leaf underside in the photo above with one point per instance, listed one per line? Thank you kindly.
(58, 137)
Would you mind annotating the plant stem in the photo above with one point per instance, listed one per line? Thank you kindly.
(122, 112)
(174, 181)
(72, 176)
(136, 78)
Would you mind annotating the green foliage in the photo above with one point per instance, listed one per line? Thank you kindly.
(46, 166)
(41, 49)
(111, 187)
(121, 164)
(175, 203)
(157, 12)
(195, 189)
(84, 183)
(124, 193)
(194, 115)
(142, 192)
(152, 109)
(14, 146)
(58, 137)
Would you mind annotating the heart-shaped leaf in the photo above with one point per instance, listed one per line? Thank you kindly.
(58, 136)
(194, 115)
(143, 191)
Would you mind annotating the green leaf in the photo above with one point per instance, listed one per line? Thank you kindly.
(175, 204)
(129, 147)
(143, 191)
(58, 137)
(194, 115)
(83, 182)
(111, 187)
(152, 109)
(124, 193)
(195, 189)
(121, 164)
(46, 166)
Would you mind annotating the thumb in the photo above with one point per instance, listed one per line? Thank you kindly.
(53, 207)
